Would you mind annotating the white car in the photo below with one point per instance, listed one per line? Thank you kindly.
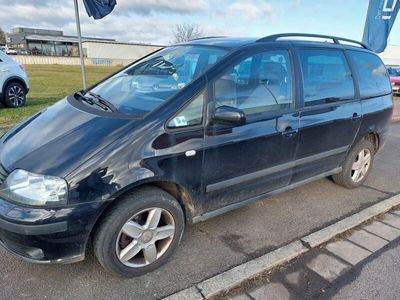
(11, 51)
(14, 83)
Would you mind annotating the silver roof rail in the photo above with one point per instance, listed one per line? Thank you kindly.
(335, 39)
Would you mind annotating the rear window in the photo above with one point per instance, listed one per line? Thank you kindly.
(327, 77)
(372, 75)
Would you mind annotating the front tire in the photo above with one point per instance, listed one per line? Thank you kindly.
(139, 233)
(357, 165)
(14, 95)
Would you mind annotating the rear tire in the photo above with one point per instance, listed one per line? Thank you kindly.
(357, 165)
(14, 95)
(128, 243)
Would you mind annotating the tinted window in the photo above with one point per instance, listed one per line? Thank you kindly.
(327, 77)
(258, 84)
(191, 115)
(372, 74)
(393, 72)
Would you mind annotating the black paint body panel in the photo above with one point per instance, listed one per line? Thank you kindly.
(102, 156)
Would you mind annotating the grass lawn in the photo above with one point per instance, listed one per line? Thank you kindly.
(50, 83)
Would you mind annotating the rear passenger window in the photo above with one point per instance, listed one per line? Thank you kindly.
(258, 84)
(327, 77)
(372, 75)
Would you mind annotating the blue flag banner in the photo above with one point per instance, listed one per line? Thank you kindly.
(380, 18)
(98, 9)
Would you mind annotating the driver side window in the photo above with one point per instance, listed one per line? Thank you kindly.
(258, 84)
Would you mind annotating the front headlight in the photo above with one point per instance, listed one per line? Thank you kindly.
(34, 189)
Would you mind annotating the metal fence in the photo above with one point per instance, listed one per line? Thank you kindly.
(52, 60)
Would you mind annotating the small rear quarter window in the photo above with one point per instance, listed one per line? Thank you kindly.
(372, 76)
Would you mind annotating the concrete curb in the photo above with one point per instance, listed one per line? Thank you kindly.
(232, 278)
(317, 238)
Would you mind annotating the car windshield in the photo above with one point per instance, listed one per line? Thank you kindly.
(143, 86)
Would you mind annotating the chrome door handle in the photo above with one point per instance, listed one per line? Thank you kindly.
(5, 70)
(356, 117)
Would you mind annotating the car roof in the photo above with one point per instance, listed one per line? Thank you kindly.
(6, 58)
(224, 42)
(3, 55)
(296, 39)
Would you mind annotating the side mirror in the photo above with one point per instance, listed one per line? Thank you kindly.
(230, 115)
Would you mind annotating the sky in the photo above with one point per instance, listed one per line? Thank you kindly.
(153, 21)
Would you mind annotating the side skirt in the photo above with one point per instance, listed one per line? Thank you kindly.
(233, 206)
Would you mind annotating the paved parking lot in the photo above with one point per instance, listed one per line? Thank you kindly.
(213, 246)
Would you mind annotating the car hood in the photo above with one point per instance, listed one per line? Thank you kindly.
(58, 139)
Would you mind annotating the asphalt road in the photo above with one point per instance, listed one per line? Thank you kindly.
(213, 246)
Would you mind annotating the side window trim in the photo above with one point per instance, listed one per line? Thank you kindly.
(302, 106)
(268, 114)
(354, 76)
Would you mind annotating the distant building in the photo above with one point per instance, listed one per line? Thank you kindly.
(35, 41)
(391, 55)
(45, 42)
(117, 50)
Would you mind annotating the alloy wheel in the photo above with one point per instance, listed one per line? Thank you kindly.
(361, 165)
(16, 95)
(145, 237)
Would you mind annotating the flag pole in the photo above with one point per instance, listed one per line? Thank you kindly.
(78, 28)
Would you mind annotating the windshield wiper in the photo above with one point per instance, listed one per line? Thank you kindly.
(83, 98)
(80, 96)
(106, 105)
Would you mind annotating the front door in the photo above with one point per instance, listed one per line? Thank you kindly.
(244, 161)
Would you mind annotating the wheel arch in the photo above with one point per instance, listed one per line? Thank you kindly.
(370, 134)
(14, 79)
(175, 190)
(373, 137)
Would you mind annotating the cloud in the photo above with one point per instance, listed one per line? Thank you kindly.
(24, 13)
(131, 21)
(150, 21)
(250, 11)
(146, 7)
(139, 29)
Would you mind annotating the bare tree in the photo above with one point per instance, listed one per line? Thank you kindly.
(2, 37)
(186, 32)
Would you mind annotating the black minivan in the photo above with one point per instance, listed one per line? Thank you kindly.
(184, 134)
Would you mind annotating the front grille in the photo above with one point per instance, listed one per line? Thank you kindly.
(3, 174)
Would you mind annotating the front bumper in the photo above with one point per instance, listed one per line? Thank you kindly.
(47, 235)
